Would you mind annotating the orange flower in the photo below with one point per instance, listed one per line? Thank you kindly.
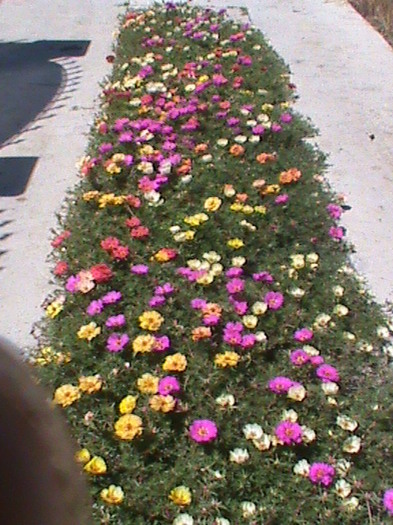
(241, 197)
(201, 332)
(185, 168)
(292, 175)
(263, 158)
(212, 309)
(236, 150)
(201, 148)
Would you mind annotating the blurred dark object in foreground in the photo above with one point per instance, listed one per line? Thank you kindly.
(40, 482)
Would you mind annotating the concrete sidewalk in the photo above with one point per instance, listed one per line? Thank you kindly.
(56, 141)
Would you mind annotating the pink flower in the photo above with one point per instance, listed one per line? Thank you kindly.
(95, 307)
(72, 284)
(168, 385)
(336, 233)
(328, 373)
(280, 384)
(388, 501)
(321, 474)
(240, 307)
(303, 335)
(274, 300)
(162, 343)
(248, 341)
(157, 300)
(316, 360)
(289, 433)
(211, 320)
(198, 304)
(117, 342)
(235, 286)
(111, 297)
(265, 277)
(334, 211)
(115, 321)
(203, 431)
(234, 272)
(139, 269)
(281, 199)
(299, 357)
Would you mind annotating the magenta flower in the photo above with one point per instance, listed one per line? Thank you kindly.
(289, 433)
(234, 272)
(264, 277)
(274, 300)
(203, 431)
(388, 501)
(281, 199)
(111, 297)
(336, 233)
(321, 474)
(115, 321)
(299, 357)
(117, 342)
(334, 211)
(198, 304)
(72, 283)
(240, 307)
(248, 341)
(316, 360)
(235, 286)
(95, 307)
(211, 320)
(280, 385)
(303, 335)
(168, 385)
(157, 300)
(328, 373)
(162, 343)
(139, 269)
(286, 118)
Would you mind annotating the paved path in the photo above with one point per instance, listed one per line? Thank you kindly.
(55, 142)
(344, 73)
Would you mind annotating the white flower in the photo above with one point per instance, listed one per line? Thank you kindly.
(221, 521)
(239, 455)
(254, 139)
(238, 262)
(297, 261)
(297, 393)
(302, 468)
(322, 320)
(252, 431)
(297, 293)
(346, 423)
(342, 488)
(308, 434)
(186, 179)
(312, 258)
(207, 158)
(342, 467)
(261, 337)
(330, 388)
(263, 443)
(183, 519)
(217, 269)
(383, 332)
(364, 346)
(189, 88)
(152, 196)
(259, 308)
(225, 400)
(240, 139)
(290, 415)
(222, 142)
(311, 350)
(338, 291)
(352, 445)
(340, 310)
(249, 509)
(351, 504)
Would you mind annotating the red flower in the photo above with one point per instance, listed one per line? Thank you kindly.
(133, 222)
(110, 243)
(140, 232)
(60, 239)
(101, 273)
(61, 268)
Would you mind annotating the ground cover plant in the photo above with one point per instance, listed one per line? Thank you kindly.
(217, 358)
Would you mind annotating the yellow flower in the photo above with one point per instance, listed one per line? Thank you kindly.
(96, 466)
(235, 243)
(227, 359)
(54, 309)
(260, 209)
(89, 331)
(128, 427)
(196, 220)
(175, 363)
(143, 344)
(162, 403)
(82, 456)
(151, 320)
(112, 168)
(250, 321)
(90, 195)
(206, 279)
(212, 204)
(237, 207)
(180, 496)
(148, 384)
(66, 395)
(127, 404)
(298, 261)
(112, 495)
(90, 384)
(189, 235)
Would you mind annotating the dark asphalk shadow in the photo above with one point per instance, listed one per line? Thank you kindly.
(28, 84)
(29, 81)
(15, 173)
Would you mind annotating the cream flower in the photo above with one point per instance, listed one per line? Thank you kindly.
(239, 456)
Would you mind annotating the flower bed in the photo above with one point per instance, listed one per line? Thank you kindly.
(217, 358)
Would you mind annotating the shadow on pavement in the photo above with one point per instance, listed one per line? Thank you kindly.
(29, 82)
